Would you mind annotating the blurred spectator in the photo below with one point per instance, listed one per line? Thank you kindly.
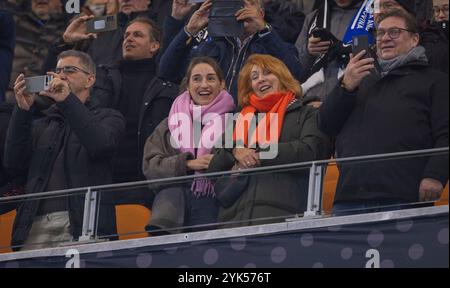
(35, 31)
(285, 18)
(336, 17)
(131, 86)
(106, 48)
(72, 146)
(405, 108)
(229, 52)
(100, 7)
(433, 36)
(188, 204)
(7, 43)
(306, 6)
(267, 86)
(440, 11)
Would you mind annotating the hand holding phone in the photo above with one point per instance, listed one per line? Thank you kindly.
(24, 98)
(102, 24)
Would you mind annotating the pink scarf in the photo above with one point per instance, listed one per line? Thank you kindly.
(181, 125)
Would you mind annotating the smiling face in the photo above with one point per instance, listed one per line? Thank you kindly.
(264, 82)
(389, 48)
(138, 43)
(204, 84)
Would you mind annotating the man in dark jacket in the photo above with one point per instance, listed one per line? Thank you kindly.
(404, 108)
(132, 87)
(7, 43)
(107, 46)
(230, 52)
(433, 36)
(72, 146)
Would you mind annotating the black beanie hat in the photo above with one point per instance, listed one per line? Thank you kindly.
(408, 5)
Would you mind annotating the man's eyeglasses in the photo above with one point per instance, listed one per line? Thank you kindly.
(437, 9)
(393, 33)
(70, 70)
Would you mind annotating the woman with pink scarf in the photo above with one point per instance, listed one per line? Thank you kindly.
(182, 145)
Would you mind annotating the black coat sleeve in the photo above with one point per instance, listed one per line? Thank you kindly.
(19, 142)
(437, 166)
(99, 137)
(335, 111)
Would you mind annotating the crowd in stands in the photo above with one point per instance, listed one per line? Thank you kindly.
(119, 99)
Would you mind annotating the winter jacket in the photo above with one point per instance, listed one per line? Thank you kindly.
(7, 44)
(278, 194)
(156, 103)
(226, 52)
(10, 184)
(161, 160)
(406, 110)
(86, 135)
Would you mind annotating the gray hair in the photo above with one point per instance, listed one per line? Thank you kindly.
(84, 59)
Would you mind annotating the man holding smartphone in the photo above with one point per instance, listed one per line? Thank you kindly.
(405, 108)
(72, 146)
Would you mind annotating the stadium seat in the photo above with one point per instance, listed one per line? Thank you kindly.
(131, 221)
(6, 225)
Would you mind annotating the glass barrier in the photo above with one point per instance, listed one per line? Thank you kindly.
(239, 198)
(30, 222)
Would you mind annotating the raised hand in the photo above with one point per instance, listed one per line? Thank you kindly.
(200, 18)
(180, 9)
(24, 99)
(357, 69)
(252, 15)
(317, 47)
(76, 31)
(59, 88)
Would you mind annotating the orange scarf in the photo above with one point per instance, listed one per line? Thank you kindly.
(272, 104)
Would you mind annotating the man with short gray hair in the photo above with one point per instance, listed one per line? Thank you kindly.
(72, 146)
(404, 107)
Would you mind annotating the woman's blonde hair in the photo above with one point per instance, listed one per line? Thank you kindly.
(272, 64)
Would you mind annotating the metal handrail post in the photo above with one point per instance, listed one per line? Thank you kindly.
(90, 206)
(313, 207)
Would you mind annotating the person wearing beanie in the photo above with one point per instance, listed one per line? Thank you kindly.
(432, 36)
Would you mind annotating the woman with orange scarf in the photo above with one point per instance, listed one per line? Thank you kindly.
(273, 118)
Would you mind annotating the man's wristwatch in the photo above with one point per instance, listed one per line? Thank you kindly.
(266, 31)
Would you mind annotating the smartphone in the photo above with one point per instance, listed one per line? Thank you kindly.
(222, 19)
(322, 33)
(101, 24)
(38, 83)
(195, 1)
(360, 43)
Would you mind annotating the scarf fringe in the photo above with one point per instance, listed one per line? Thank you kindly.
(203, 188)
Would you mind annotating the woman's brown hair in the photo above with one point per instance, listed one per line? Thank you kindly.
(201, 60)
(272, 64)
